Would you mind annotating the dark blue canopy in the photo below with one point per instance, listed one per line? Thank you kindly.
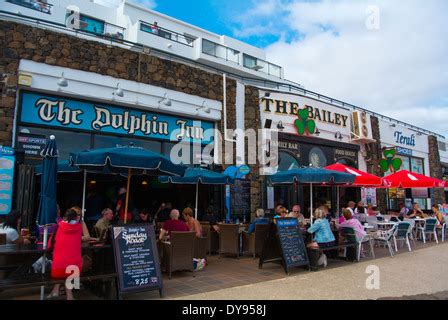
(47, 211)
(120, 159)
(63, 167)
(199, 175)
(311, 175)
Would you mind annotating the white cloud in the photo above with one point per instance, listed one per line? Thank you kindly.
(150, 4)
(400, 70)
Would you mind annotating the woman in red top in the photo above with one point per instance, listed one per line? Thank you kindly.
(66, 251)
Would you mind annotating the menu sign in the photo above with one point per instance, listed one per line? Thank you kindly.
(241, 198)
(7, 161)
(293, 246)
(137, 258)
(285, 244)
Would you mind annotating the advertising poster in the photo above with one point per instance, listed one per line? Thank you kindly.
(7, 161)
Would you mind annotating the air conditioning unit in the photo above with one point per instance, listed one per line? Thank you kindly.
(360, 128)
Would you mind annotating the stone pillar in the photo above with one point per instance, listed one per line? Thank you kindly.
(435, 168)
(252, 121)
(373, 162)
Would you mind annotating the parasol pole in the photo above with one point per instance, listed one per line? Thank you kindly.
(337, 202)
(127, 197)
(84, 194)
(196, 207)
(311, 202)
(44, 260)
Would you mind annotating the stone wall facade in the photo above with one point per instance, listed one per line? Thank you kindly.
(435, 168)
(18, 41)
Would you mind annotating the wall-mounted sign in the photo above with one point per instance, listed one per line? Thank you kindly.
(57, 111)
(404, 151)
(401, 138)
(390, 161)
(31, 144)
(396, 135)
(7, 163)
(304, 116)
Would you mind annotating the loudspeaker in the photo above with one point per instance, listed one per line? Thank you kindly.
(267, 124)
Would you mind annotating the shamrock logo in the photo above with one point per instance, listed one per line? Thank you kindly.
(389, 161)
(303, 124)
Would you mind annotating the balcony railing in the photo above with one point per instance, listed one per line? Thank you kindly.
(41, 6)
(219, 51)
(91, 25)
(166, 33)
(262, 66)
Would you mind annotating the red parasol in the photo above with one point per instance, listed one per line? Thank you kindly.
(407, 179)
(363, 179)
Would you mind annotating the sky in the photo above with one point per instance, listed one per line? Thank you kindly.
(387, 56)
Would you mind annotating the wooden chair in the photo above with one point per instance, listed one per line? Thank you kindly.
(202, 244)
(2, 238)
(178, 253)
(253, 243)
(229, 239)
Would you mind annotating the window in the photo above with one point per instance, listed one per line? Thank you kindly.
(91, 25)
(286, 162)
(249, 61)
(208, 47)
(417, 165)
(105, 141)
(442, 145)
(64, 139)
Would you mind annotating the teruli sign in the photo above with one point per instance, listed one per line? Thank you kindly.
(63, 112)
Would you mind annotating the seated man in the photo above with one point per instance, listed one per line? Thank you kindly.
(103, 224)
(174, 224)
(295, 213)
(211, 218)
(259, 219)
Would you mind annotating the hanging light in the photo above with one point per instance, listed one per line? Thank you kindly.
(62, 82)
(204, 107)
(166, 101)
(118, 92)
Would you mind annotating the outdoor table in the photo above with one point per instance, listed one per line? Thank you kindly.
(385, 224)
(368, 227)
(27, 254)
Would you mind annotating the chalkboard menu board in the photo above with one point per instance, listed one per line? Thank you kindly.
(285, 244)
(293, 247)
(240, 198)
(137, 258)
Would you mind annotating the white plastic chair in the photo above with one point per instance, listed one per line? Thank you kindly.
(413, 234)
(403, 233)
(444, 227)
(386, 236)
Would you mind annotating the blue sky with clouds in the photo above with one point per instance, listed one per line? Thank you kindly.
(399, 69)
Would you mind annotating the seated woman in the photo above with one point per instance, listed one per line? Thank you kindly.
(10, 227)
(143, 217)
(66, 251)
(323, 236)
(85, 231)
(438, 215)
(259, 219)
(192, 223)
(353, 223)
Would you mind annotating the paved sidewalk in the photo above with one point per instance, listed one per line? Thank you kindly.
(421, 272)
